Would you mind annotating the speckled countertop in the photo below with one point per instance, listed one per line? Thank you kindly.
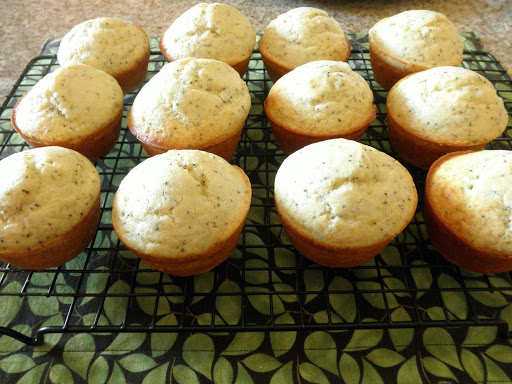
(25, 25)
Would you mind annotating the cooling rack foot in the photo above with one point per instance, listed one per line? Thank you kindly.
(38, 340)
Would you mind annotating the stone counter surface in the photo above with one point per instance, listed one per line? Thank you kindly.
(26, 24)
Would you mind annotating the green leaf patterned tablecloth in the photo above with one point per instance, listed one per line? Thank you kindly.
(271, 287)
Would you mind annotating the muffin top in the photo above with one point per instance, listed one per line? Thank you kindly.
(449, 105)
(471, 194)
(302, 35)
(179, 203)
(112, 45)
(69, 104)
(419, 37)
(322, 97)
(190, 103)
(44, 193)
(210, 31)
(345, 194)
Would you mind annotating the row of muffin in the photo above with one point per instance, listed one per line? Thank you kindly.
(182, 211)
(203, 104)
(407, 42)
(340, 203)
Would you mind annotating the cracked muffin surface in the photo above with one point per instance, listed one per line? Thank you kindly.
(180, 203)
(471, 194)
(321, 97)
(340, 193)
(190, 103)
(302, 35)
(450, 105)
(109, 44)
(69, 104)
(212, 31)
(420, 37)
(44, 193)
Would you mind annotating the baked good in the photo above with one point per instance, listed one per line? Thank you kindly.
(442, 110)
(300, 36)
(412, 41)
(117, 47)
(191, 104)
(182, 211)
(49, 207)
(468, 201)
(77, 107)
(341, 202)
(318, 101)
(211, 31)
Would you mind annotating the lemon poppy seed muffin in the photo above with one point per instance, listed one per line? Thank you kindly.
(191, 104)
(342, 202)
(318, 101)
(442, 110)
(211, 31)
(115, 46)
(412, 41)
(468, 203)
(77, 107)
(300, 36)
(49, 206)
(182, 211)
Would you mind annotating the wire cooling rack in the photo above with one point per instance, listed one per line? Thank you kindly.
(265, 285)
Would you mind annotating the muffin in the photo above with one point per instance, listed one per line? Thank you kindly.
(412, 41)
(442, 110)
(76, 107)
(300, 36)
(341, 202)
(182, 211)
(211, 31)
(115, 46)
(319, 101)
(468, 201)
(49, 207)
(191, 104)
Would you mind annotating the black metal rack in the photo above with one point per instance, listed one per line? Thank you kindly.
(265, 285)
